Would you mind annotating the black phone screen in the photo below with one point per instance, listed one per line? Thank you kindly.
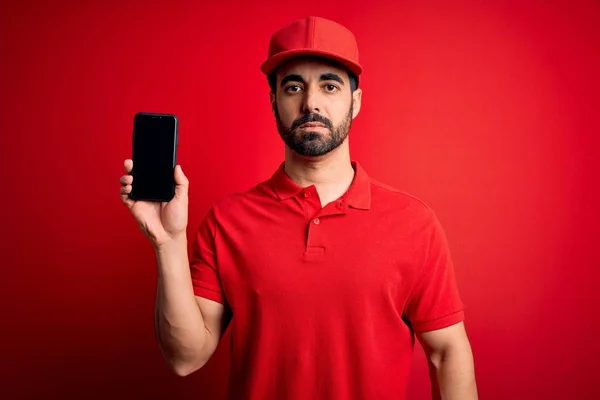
(154, 156)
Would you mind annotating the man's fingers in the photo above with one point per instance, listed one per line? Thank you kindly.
(126, 180)
(181, 182)
(125, 190)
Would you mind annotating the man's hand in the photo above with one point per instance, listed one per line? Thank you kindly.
(161, 222)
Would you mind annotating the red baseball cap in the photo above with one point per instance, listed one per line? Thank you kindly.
(313, 36)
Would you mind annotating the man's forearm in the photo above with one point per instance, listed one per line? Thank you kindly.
(180, 327)
(453, 375)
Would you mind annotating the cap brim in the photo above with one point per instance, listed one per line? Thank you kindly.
(273, 62)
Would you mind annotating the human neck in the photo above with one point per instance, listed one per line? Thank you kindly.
(332, 174)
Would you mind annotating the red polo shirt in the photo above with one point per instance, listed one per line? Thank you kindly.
(324, 300)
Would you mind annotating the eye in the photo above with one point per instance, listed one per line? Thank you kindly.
(331, 87)
(293, 88)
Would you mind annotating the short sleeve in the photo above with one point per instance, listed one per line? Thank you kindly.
(203, 261)
(434, 301)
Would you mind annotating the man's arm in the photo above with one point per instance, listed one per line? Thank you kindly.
(451, 363)
(188, 327)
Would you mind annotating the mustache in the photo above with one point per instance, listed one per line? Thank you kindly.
(311, 118)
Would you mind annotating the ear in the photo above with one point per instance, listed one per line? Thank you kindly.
(356, 102)
(272, 100)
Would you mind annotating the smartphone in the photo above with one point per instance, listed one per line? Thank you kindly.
(154, 156)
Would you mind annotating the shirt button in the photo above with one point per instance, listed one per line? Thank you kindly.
(317, 221)
(339, 204)
(306, 194)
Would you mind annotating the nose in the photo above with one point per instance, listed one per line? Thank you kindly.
(311, 100)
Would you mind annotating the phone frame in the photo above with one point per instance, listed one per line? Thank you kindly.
(175, 143)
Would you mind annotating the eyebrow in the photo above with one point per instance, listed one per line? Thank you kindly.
(329, 76)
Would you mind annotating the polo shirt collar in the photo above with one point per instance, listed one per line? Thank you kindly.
(358, 194)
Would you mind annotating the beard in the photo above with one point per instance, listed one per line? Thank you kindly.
(312, 143)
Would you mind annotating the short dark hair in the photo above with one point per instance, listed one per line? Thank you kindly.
(272, 77)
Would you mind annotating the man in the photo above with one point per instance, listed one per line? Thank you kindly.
(324, 274)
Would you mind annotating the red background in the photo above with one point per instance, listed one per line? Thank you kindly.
(487, 111)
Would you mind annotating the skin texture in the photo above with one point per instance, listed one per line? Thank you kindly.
(309, 90)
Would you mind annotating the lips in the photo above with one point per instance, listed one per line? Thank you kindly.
(312, 125)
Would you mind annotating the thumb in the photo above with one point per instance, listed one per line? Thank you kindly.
(181, 182)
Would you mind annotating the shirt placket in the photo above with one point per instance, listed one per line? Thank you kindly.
(317, 218)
